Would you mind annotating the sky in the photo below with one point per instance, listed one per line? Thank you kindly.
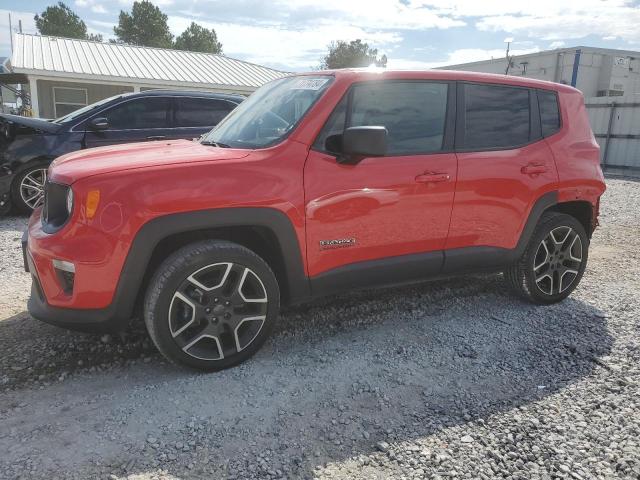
(293, 35)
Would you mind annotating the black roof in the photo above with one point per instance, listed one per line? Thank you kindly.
(187, 93)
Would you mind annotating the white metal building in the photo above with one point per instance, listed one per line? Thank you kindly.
(65, 74)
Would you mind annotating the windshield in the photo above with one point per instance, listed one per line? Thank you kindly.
(270, 113)
(76, 113)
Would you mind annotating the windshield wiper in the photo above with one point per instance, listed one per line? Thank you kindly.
(215, 144)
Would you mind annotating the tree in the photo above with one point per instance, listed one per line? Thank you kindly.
(146, 25)
(198, 39)
(353, 54)
(60, 21)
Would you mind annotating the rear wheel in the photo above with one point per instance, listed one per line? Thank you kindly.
(553, 262)
(28, 188)
(211, 305)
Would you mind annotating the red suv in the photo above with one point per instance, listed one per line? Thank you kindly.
(317, 184)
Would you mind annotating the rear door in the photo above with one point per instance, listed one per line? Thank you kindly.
(136, 120)
(390, 206)
(194, 116)
(504, 165)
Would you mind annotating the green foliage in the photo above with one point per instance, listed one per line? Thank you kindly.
(351, 55)
(60, 21)
(146, 25)
(198, 39)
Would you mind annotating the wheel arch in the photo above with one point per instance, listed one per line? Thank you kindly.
(266, 231)
(581, 210)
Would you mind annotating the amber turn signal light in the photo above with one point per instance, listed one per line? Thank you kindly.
(93, 199)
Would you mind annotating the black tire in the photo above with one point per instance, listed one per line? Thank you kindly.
(5, 208)
(16, 196)
(226, 312)
(545, 283)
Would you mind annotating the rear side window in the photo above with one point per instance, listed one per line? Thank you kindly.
(413, 113)
(495, 117)
(549, 112)
(141, 113)
(200, 112)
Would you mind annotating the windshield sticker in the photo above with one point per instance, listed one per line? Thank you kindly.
(309, 84)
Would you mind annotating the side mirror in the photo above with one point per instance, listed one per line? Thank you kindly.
(358, 142)
(99, 123)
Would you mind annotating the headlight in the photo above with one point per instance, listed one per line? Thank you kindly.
(56, 210)
(69, 201)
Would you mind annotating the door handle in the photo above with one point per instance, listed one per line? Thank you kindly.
(534, 168)
(156, 137)
(432, 177)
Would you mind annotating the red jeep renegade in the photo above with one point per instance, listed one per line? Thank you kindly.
(318, 183)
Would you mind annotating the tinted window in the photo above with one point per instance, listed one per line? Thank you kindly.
(549, 112)
(495, 116)
(413, 112)
(200, 112)
(140, 113)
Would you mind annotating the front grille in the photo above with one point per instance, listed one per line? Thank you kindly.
(54, 209)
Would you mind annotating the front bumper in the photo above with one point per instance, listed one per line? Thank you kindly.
(86, 320)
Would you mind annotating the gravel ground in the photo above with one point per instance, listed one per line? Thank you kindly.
(452, 379)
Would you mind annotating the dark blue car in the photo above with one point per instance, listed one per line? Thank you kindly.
(28, 145)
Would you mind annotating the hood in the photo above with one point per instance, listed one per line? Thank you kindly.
(28, 123)
(95, 161)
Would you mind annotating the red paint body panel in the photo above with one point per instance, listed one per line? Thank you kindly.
(494, 197)
(379, 203)
(484, 201)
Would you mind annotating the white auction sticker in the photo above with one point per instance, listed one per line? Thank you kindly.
(309, 84)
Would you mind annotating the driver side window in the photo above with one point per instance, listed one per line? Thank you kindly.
(413, 112)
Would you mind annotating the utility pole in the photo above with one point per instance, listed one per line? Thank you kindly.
(508, 41)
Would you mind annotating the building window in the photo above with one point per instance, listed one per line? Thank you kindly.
(67, 100)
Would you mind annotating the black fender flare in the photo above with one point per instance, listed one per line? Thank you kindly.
(154, 231)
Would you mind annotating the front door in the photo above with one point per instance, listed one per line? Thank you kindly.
(382, 207)
(136, 120)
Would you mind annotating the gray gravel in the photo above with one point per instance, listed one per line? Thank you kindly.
(451, 379)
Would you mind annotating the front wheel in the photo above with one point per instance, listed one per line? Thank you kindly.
(211, 305)
(553, 262)
(27, 191)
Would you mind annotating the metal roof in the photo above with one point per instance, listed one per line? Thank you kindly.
(83, 59)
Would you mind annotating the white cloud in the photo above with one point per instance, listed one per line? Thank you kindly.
(98, 9)
(283, 47)
(557, 44)
(567, 20)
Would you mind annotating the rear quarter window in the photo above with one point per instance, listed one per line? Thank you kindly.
(549, 112)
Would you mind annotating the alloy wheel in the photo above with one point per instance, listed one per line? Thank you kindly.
(32, 187)
(218, 311)
(557, 261)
